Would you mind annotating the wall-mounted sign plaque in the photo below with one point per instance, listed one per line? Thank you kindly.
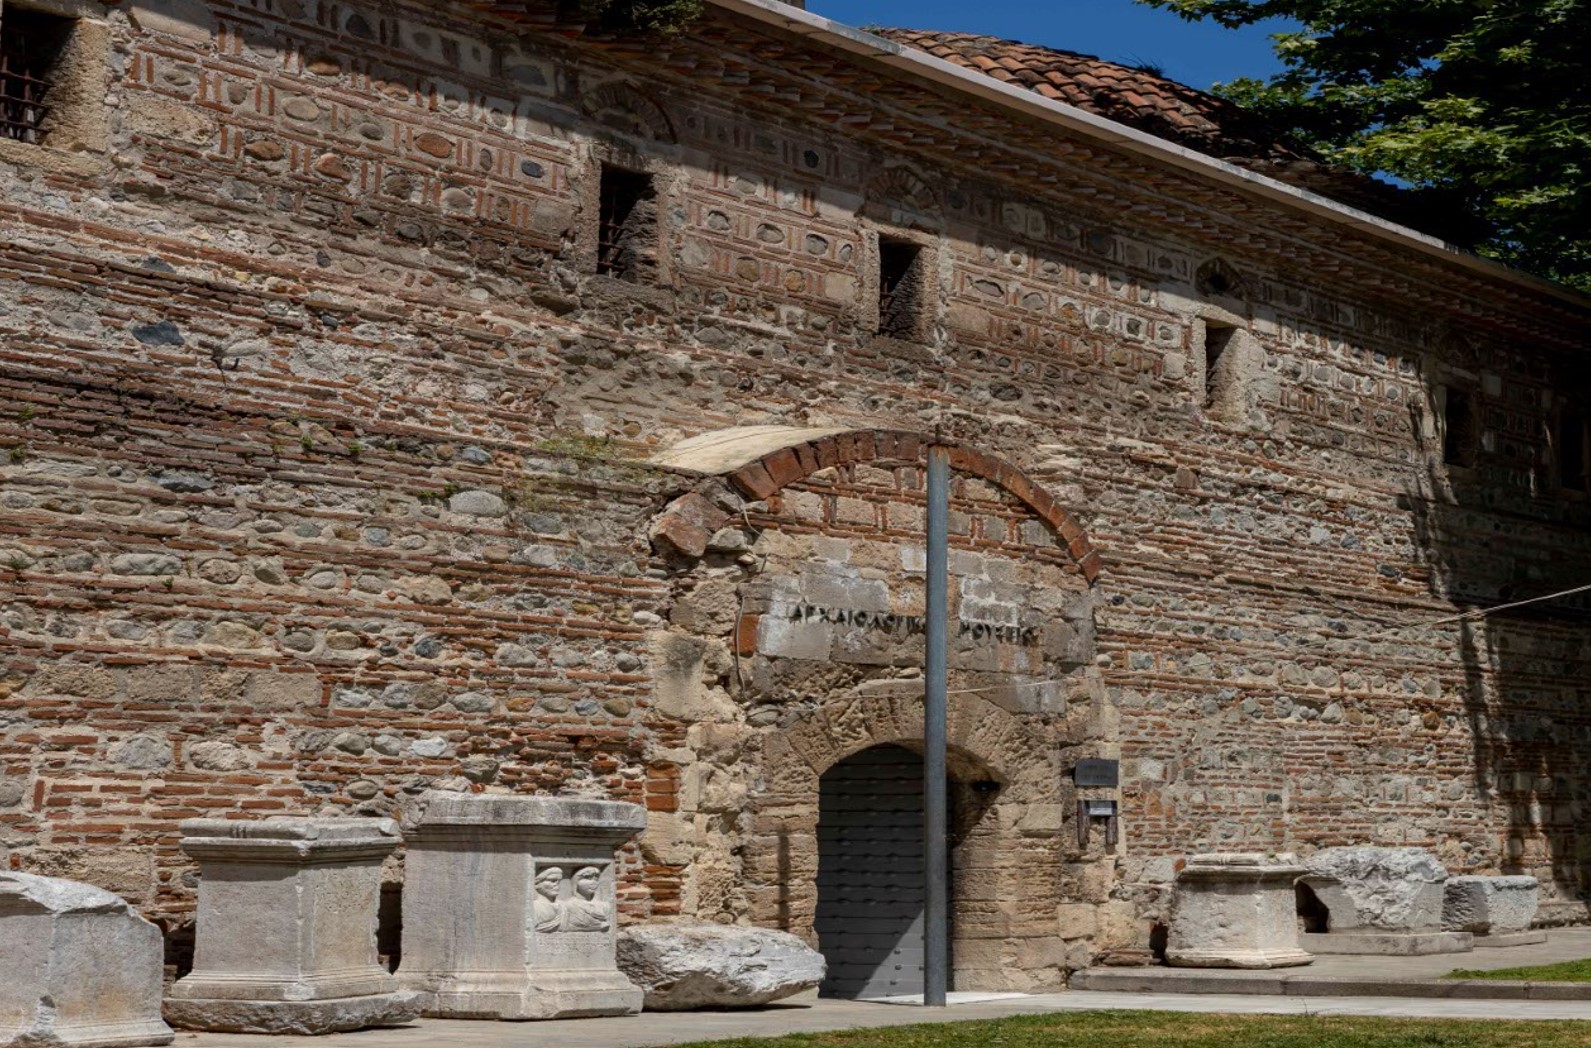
(1096, 772)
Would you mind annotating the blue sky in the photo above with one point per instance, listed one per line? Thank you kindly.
(1196, 53)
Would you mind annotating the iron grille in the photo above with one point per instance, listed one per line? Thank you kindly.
(622, 210)
(899, 290)
(31, 43)
(22, 108)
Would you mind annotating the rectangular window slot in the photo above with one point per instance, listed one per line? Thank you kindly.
(627, 225)
(900, 288)
(31, 46)
(1218, 362)
(1459, 433)
(1572, 449)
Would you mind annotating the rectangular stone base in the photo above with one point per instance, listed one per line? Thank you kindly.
(335, 1015)
(1387, 944)
(91, 1035)
(1499, 939)
(1253, 959)
(529, 996)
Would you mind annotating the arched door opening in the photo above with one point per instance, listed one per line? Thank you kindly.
(870, 874)
(870, 906)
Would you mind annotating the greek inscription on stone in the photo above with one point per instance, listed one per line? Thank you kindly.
(909, 625)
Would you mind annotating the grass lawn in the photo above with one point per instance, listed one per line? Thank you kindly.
(1193, 1030)
(1564, 971)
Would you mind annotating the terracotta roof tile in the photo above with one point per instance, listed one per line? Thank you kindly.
(1191, 118)
(1136, 97)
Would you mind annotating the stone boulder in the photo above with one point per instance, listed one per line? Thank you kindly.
(1490, 905)
(81, 967)
(1386, 889)
(687, 966)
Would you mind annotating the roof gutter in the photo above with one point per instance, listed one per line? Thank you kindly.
(916, 63)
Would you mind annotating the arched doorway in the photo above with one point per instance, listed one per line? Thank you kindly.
(793, 648)
(869, 919)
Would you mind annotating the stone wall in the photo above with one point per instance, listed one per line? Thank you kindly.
(326, 474)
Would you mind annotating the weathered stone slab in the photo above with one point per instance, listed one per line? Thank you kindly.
(1490, 905)
(509, 909)
(1379, 889)
(80, 968)
(1386, 943)
(685, 966)
(1235, 910)
(287, 928)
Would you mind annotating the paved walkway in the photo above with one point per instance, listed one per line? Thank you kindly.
(809, 1014)
(813, 1015)
(1334, 975)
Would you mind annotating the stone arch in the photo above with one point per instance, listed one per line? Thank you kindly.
(986, 745)
(622, 108)
(758, 461)
(984, 741)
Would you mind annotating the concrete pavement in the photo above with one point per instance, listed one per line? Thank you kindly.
(1359, 986)
(811, 1015)
(1336, 975)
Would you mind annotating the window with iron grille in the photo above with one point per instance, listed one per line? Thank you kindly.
(1460, 432)
(900, 288)
(627, 225)
(1573, 435)
(32, 44)
(1220, 365)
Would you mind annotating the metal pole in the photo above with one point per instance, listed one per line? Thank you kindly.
(936, 918)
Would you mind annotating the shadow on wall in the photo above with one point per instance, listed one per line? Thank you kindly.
(1494, 525)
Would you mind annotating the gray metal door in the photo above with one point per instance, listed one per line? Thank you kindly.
(870, 874)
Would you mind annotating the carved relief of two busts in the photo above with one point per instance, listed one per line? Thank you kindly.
(581, 911)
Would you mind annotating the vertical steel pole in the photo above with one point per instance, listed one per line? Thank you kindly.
(936, 919)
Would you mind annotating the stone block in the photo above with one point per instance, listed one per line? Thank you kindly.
(287, 928)
(1384, 889)
(1235, 910)
(1490, 905)
(1387, 943)
(81, 967)
(688, 525)
(1076, 920)
(509, 909)
(681, 967)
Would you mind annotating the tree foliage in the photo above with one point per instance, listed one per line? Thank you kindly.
(646, 16)
(1487, 102)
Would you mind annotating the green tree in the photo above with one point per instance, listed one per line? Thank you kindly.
(647, 16)
(1486, 103)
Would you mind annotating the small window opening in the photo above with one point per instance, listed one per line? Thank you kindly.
(1218, 362)
(1458, 436)
(900, 287)
(1572, 449)
(32, 44)
(626, 225)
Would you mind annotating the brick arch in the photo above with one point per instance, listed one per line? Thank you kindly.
(759, 461)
